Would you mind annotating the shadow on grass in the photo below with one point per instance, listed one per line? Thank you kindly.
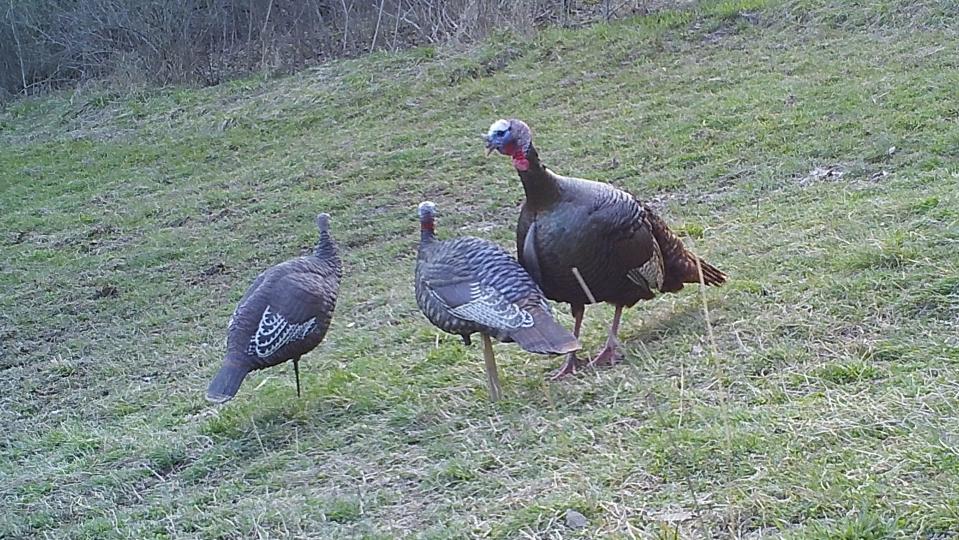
(686, 319)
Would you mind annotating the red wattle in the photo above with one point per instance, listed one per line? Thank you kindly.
(519, 157)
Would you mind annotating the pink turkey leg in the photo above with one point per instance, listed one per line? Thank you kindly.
(610, 354)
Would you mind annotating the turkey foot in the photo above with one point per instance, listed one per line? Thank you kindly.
(609, 356)
(569, 367)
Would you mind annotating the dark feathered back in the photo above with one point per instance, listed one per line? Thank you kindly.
(284, 314)
(466, 285)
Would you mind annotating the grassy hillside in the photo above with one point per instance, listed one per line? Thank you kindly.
(809, 148)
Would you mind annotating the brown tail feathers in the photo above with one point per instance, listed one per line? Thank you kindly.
(546, 336)
(679, 264)
(711, 275)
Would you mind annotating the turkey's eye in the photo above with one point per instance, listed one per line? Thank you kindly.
(500, 133)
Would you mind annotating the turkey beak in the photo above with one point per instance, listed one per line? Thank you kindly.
(489, 147)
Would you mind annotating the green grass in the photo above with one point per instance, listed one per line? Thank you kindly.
(824, 407)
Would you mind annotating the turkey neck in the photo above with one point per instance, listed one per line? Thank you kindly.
(325, 248)
(427, 235)
(539, 183)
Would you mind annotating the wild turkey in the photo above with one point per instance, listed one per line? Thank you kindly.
(466, 285)
(586, 242)
(282, 316)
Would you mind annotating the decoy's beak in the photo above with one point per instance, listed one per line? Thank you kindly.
(489, 147)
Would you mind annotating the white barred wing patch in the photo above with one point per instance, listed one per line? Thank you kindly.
(275, 331)
(487, 306)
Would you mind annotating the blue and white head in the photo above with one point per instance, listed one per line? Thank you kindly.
(427, 210)
(509, 137)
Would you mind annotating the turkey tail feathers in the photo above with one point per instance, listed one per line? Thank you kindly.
(546, 336)
(679, 263)
(711, 275)
(226, 382)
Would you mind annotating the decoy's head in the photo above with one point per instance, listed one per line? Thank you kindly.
(323, 222)
(510, 138)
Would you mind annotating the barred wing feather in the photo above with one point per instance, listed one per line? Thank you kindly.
(489, 307)
(275, 332)
(293, 305)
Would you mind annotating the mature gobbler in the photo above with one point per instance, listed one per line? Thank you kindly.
(587, 242)
(466, 285)
(283, 315)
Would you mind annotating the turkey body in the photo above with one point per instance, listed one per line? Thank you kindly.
(623, 251)
(468, 285)
(585, 242)
(284, 314)
(598, 230)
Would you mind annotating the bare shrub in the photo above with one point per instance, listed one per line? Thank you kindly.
(50, 43)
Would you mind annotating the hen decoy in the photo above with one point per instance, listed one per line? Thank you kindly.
(585, 242)
(466, 285)
(283, 315)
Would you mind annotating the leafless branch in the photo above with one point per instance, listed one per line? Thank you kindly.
(45, 43)
(376, 31)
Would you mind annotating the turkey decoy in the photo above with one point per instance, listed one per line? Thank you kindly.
(586, 242)
(283, 315)
(466, 285)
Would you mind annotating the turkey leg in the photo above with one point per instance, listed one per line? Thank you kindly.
(492, 377)
(296, 372)
(571, 363)
(610, 354)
